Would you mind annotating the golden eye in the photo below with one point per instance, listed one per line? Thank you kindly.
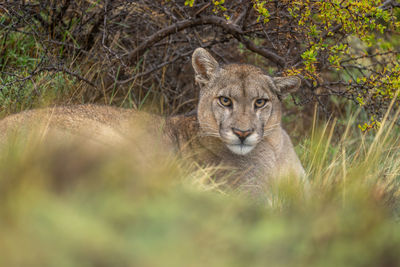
(259, 103)
(225, 101)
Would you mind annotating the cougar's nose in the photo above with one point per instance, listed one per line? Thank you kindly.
(242, 134)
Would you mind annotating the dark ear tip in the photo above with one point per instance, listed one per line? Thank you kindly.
(199, 52)
(296, 78)
(297, 81)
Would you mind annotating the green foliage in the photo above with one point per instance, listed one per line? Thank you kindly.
(331, 31)
(259, 6)
(189, 2)
(42, 90)
(22, 86)
(218, 6)
(358, 18)
(18, 50)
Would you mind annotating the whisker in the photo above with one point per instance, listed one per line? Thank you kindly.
(270, 129)
(209, 132)
(212, 135)
(273, 126)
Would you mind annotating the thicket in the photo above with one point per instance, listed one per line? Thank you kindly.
(131, 52)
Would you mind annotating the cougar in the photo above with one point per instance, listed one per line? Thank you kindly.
(237, 124)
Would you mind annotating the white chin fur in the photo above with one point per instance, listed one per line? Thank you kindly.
(240, 149)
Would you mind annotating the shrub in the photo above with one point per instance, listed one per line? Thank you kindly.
(130, 52)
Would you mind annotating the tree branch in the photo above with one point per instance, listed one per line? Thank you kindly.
(232, 29)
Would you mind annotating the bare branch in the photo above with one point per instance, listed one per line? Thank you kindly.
(209, 20)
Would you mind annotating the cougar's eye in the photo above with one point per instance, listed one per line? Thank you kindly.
(259, 103)
(225, 101)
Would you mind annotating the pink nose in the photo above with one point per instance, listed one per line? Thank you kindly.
(242, 134)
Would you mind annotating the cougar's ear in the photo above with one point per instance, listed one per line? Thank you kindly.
(204, 65)
(286, 85)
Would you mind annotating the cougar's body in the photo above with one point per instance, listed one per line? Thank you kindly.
(237, 124)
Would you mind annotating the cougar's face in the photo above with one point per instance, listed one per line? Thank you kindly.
(238, 104)
(241, 105)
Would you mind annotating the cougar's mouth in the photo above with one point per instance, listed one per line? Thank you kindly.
(240, 149)
(237, 146)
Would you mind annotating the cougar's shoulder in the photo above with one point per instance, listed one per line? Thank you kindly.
(68, 116)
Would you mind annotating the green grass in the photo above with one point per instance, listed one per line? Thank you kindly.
(68, 204)
(21, 85)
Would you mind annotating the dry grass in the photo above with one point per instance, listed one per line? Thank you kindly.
(70, 204)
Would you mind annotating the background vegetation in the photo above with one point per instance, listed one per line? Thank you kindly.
(73, 205)
(130, 52)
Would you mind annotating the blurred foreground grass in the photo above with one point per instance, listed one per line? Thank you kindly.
(69, 204)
